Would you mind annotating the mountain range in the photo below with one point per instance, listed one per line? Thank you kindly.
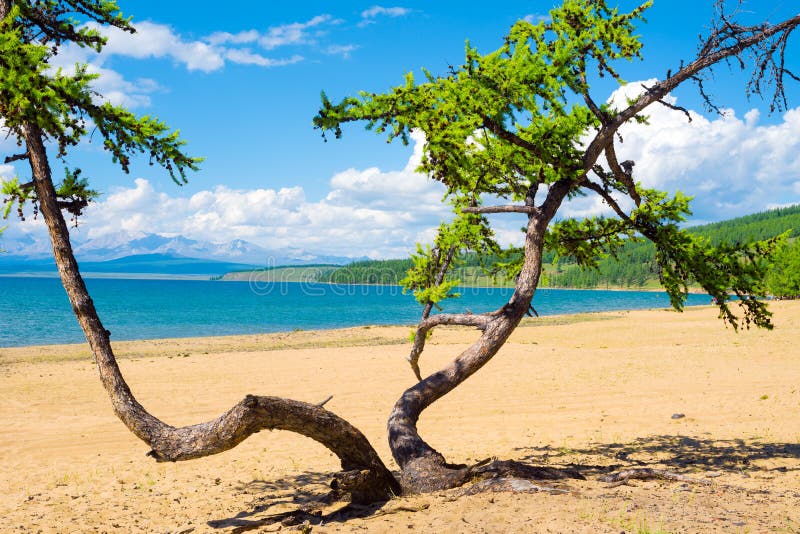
(124, 252)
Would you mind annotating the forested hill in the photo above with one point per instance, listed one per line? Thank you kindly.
(753, 227)
(634, 266)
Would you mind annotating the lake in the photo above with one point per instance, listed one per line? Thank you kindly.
(35, 311)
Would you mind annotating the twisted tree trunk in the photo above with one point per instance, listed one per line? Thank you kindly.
(424, 468)
(364, 475)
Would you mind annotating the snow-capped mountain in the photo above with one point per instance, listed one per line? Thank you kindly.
(126, 245)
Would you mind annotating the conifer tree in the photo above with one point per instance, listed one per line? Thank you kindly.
(502, 124)
(506, 125)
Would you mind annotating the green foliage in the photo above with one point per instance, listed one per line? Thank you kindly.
(429, 277)
(632, 266)
(587, 240)
(723, 271)
(72, 195)
(506, 125)
(783, 279)
(62, 105)
(501, 118)
(500, 124)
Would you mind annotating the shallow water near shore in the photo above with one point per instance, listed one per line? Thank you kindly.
(592, 392)
(35, 311)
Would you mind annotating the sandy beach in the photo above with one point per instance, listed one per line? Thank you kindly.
(591, 391)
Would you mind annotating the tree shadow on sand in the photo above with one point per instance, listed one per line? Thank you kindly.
(672, 452)
(300, 499)
(292, 501)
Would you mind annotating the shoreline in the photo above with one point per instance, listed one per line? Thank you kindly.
(596, 394)
(220, 278)
(528, 321)
(281, 340)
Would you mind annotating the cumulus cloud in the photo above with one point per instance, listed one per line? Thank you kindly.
(206, 54)
(731, 165)
(370, 212)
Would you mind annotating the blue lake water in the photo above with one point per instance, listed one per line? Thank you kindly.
(35, 311)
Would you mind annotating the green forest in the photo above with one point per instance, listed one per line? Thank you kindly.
(633, 267)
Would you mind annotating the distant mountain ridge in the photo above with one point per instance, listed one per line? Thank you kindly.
(124, 252)
(634, 266)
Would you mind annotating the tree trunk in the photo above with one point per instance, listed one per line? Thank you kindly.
(365, 477)
(424, 468)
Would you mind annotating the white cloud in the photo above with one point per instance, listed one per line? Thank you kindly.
(244, 37)
(341, 50)
(153, 40)
(375, 11)
(732, 166)
(368, 16)
(366, 212)
(291, 34)
(206, 54)
(535, 18)
(246, 57)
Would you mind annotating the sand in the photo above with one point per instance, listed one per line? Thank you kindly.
(592, 391)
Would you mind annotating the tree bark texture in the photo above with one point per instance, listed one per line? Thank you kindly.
(365, 476)
(424, 468)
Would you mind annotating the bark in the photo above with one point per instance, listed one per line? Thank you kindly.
(499, 209)
(428, 323)
(663, 88)
(424, 468)
(364, 475)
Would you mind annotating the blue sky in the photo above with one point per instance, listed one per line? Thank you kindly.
(242, 85)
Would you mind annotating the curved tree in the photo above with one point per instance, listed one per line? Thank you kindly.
(507, 127)
(501, 125)
(39, 106)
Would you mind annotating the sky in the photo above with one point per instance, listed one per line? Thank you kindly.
(242, 85)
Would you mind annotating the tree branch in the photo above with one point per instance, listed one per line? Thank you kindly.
(249, 416)
(601, 116)
(16, 157)
(706, 59)
(588, 184)
(428, 323)
(672, 106)
(623, 175)
(498, 129)
(513, 208)
(439, 278)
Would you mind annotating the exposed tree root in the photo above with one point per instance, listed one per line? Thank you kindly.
(513, 469)
(401, 508)
(509, 485)
(430, 474)
(490, 475)
(313, 514)
(622, 477)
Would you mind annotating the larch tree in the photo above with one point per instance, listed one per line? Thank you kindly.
(518, 124)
